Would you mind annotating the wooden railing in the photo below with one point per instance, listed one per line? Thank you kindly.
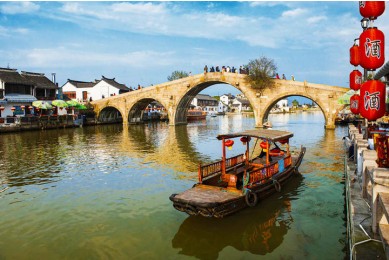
(266, 172)
(210, 169)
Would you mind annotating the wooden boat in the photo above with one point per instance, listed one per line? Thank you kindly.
(234, 183)
(195, 114)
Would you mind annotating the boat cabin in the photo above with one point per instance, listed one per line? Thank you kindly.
(243, 170)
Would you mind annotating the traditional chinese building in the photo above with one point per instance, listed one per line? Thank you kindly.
(93, 90)
(19, 90)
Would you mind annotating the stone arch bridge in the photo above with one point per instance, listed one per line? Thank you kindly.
(177, 95)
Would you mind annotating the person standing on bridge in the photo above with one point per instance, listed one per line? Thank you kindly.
(205, 69)
(277, 76)
(292, 77)
(283, 76)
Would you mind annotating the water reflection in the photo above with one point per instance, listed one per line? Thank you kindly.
(258, 230)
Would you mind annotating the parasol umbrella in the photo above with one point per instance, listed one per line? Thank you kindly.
(42, 104)
(345, 98)
(72, 103)
(59, 103)
(80, 106)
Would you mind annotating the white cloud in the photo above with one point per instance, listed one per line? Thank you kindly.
(74, 58)
(170, 20)
(294, 13)
(13, 31)
(139, 8)
(19, 7)
(316, 19)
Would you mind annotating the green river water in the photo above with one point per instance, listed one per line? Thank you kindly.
(102, 192)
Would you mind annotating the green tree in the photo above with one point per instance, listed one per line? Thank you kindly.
(261, 72)
(295, 103)
(178, 74)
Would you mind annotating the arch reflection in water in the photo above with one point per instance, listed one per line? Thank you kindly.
(258, 230)
(170, 147)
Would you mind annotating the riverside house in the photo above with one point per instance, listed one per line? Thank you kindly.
(205, 102)
(83, 91)
(19, 90)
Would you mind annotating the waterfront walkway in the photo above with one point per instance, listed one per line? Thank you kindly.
(367, 199)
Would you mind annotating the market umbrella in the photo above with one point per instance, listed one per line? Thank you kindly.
(72, 103)
(42, 104)
(80, 106)
(59, 103)
(345, 98)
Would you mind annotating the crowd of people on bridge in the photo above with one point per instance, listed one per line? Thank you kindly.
(241, 70)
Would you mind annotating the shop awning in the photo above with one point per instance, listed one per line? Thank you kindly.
(15, 98)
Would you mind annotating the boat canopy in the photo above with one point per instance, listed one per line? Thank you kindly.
(269, 134)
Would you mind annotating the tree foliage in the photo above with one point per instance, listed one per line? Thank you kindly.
(178, 74)
(261, 72)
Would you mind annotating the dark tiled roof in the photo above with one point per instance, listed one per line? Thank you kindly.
(12, 76)
(81, 84)
(39, 80)
(117, 85)
(205, 97)
(243, 101)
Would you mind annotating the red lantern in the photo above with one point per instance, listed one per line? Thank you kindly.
(284, 141)
(1, 108)
(371, 9)
(263, 145)
(372, 99)
(245, 139)
(22, 107)
(354, 55)
(354, 104)
(355, 79)
(30, 107)
(13, 109)
(229, 143)
(372, 49)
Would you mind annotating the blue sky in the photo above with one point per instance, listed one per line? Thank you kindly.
(144, 42)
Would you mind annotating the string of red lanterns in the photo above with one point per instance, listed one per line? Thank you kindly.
(370, 55)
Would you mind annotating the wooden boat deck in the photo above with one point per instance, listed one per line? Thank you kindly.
(205, 194)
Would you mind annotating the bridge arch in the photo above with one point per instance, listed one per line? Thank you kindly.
(137, 108)
(110, 114)
(269, 105)
(186, 99)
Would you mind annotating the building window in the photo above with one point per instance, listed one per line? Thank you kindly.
(70, 94)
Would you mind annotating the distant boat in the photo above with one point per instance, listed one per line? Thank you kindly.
(195, 114)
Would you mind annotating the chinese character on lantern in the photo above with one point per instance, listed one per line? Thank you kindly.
(373, 48)
(372, 100)
(354, 104)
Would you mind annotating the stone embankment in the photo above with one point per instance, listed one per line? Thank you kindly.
(367, 199)
(28, 123)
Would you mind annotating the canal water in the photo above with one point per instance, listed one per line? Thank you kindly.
(102, 192)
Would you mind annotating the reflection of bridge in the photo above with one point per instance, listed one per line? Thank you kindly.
(176, 96)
